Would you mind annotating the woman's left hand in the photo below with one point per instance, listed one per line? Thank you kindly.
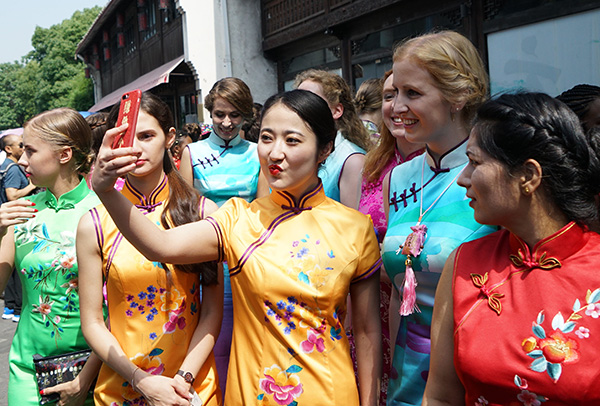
(71, 393)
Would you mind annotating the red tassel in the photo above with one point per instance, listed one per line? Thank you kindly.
(409, 292)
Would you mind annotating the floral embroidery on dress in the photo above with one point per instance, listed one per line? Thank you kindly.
(309, 262)
(283, 313)
(481, 401)
(150, 363)
(526, 397)
(551, 351)
(144, 302)
(282, 385)
(45, 308)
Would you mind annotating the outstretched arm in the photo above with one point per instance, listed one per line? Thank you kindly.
(190, 243)
(443, 386)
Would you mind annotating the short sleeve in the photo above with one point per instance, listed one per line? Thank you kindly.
(369, 260)
(15, 178)
(223, 221)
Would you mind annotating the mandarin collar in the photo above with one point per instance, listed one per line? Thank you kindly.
(400, 159)
(221, 143)
(148, 203)
(67, 201)
(457, 156)
(550, 251)
(309, 200)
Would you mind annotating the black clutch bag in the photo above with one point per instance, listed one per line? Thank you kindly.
(50, 371)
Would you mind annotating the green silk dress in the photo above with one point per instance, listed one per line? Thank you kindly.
(47, 265)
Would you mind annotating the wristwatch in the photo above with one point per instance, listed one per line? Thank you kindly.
(189, 378)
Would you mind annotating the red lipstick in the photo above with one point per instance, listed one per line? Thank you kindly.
(275, 169)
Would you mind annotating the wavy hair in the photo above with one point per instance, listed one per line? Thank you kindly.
(455, 66)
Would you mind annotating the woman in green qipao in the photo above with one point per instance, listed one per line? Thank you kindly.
(38, 239)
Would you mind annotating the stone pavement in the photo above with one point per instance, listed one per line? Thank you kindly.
(7, 330)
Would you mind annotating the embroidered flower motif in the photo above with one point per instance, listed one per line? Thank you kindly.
(529, 344)
(559, 349)
(481, 401)
(44, 308)
(175, 321)
(151, 364)
(582, 332)
(169, 300)
(528, 398)
(283, 386)
(72, 286)
(312, 341)
(593, 310)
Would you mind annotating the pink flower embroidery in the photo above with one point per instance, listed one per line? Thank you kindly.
(528, 398)
(312, 341)
(481, 401)
(582, 332)
(44, 308)
(593, 310)
(174, 320)
(282, 386)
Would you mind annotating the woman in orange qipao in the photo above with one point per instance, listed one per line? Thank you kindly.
(294, 256)
(157, 349)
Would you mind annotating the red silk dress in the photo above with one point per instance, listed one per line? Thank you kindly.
(527, 322)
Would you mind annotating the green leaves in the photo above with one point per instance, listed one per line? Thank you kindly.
(49, 76)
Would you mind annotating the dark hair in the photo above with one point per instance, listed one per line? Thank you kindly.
(579, 99)
(516, 127)
(192, 130)
(97, 122)
(235, 91)
(182, 206)
(4, 141)
(251, 128)
(312, 109)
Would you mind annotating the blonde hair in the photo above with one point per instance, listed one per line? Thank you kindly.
(336, 90)
(236, 92)
(65, 127)
(455, 65)
(368, 98)
(379, 157)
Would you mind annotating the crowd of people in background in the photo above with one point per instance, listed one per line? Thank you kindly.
(414, 242)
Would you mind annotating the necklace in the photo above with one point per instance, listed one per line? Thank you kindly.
(412, 248)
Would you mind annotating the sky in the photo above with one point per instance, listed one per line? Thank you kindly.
(19, 18)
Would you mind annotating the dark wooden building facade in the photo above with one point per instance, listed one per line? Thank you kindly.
(139, 44)
(355, 37)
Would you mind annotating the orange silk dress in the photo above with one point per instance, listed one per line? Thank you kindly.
(152, 319)
(291, 269)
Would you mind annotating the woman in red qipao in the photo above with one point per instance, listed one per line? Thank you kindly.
(521, 307)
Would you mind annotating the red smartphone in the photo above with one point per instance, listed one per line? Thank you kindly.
(128, 113)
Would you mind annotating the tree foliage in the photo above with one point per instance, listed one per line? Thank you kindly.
(49, 76)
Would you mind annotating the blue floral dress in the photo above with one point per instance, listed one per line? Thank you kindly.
(449, 222)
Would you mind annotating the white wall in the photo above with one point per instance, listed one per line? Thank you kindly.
(213, 52)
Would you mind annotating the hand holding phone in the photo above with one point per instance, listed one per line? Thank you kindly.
(128, 113)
